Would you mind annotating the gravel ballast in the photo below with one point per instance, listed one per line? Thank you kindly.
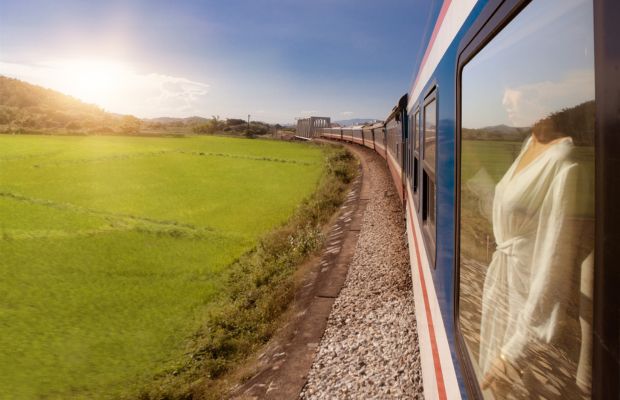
(370, 347)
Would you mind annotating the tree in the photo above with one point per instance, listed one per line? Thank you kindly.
(130, 124)
(73, 125)
(235, 122)
(211, 126)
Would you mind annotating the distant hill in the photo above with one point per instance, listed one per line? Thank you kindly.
(173, 120)
(354, 121)
(497, 132)
(27, 107)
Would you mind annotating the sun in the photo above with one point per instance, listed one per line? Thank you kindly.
(95, 81)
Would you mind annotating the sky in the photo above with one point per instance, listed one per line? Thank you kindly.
(273, 59)
(542, 62)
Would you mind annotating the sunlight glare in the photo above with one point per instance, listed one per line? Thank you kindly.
(95, 81)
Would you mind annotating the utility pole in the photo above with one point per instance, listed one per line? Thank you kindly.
(248, 123)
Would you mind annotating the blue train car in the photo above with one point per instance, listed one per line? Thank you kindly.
(505, 151)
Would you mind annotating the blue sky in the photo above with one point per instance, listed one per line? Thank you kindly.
(274, 59)
(542, 62)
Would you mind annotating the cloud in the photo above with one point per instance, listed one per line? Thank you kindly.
(175, 94)
(308, 113)
(347, 113)
(528, 103)
(115, 86)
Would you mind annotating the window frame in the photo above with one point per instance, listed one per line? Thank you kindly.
(493, 18)
(430, 97)
(488, 25)
(429, 230)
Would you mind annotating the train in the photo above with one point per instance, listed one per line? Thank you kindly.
(504, 151)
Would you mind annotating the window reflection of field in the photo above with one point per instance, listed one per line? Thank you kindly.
(492, 159)
(489, 159)
(483, 164)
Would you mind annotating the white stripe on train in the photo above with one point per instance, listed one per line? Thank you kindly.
(451, 18)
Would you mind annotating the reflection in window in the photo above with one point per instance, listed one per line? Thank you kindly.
(429, 205)
(407, 146)
(417, 126)
(410, 142)
(429, 138)
(430, 118)
(526, 198)
(416, 156)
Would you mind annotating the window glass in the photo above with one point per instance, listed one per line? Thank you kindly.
(410, 140)
(415, 130)
(430, 195)
(527, 206)
(394, 137)
(416, 144)
(428, 175)
(430, 118)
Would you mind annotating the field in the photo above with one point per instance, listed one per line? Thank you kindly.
(112, 249)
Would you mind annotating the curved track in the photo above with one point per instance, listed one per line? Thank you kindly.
(370, 347)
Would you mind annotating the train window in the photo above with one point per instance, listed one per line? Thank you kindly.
(416, 155)
(429, 206)
(417, 127)
(430, 122)
(527, 207)
(409, 145)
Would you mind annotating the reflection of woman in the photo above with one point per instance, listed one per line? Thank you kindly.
(532, 275)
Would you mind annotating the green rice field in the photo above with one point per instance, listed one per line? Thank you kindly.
(112, 249)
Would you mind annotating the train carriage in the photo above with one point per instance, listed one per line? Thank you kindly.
(368, 137)
(356, 135)
(379, 144)
(394, 128)
(348, 135)
(502, 151)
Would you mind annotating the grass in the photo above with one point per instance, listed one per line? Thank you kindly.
(120, 255)
(259, 286)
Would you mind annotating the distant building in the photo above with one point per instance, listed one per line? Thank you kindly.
(308, 128)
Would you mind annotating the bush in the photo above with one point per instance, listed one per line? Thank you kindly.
(73, 125)
(130, 124)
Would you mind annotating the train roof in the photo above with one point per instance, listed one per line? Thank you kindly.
(377, 124)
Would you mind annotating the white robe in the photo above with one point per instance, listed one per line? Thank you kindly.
(529, 280)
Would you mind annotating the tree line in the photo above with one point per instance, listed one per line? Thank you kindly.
(27, 108)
